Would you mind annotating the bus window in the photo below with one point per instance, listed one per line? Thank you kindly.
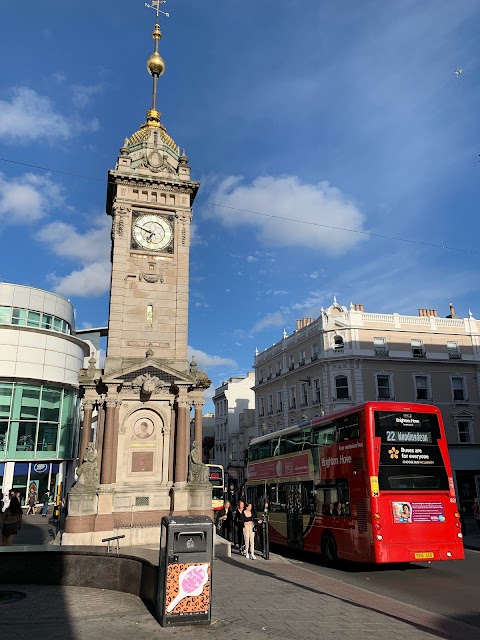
(278, 446)
(348, 428)
(264, 450)
(277, 497)
(298, 441)
(324, 435)
(308, 498)
(253, 453)
(332, 498)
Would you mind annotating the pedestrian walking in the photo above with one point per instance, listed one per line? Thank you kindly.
(32, 501)
(45, 499)
(225, 520)
(10, 522)
(238, 524)
(476, 512)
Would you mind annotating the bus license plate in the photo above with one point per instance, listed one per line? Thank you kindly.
(424, 555)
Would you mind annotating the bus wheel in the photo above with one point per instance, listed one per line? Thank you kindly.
(329, 549)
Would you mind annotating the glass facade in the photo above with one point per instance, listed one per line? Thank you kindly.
(41, 475)
(37, 319)
(37, 421)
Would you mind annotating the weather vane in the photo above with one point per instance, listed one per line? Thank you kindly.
(156, 7)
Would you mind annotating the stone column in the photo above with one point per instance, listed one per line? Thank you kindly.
(86, 427)
(171, 453)
(108, 443)
(181, 449)
(198, 433)
(113, 477)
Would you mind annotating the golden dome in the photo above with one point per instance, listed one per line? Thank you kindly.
(156, 64)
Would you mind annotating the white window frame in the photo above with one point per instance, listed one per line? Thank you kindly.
(279, 368)
(348, 397)
(301, 357)
(380, 346)
(261, 407)
(471, 432)
(389, 376)
(269, 373)
(464, 389)
(453, 350)
(292, 398)
(429, 397)
(418, 348)
(279, 401)
(270, 404)
(314, 352)
(317, 392)
(304, 394)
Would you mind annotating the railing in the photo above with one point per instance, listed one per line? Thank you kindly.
(110, 540)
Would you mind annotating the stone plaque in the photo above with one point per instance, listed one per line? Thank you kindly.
(142, 461)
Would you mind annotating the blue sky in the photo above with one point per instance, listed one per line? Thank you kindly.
(332, 112)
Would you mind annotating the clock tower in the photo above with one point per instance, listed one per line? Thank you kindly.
(139, 467)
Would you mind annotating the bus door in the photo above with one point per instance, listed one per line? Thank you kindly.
(293, 508)
(357, 487)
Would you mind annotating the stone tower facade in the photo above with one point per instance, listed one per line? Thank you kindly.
(140, 466)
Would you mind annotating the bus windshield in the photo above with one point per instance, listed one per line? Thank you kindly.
(410, 457)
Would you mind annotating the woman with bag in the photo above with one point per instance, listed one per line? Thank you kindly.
(10, 522)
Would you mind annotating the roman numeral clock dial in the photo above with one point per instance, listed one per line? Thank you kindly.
(151, 232)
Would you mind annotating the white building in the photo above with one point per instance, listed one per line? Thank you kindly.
(40, 358)
(230, 400)
(347, 356)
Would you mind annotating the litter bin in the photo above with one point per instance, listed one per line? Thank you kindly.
(185, 570)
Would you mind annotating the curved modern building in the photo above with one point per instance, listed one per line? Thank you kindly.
(40, 358)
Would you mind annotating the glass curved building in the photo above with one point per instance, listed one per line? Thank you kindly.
(40, 358)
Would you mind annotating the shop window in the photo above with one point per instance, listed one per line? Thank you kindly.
(27, 400)
(3, 435)
(47, 437)
(26, 432)
(50, 405)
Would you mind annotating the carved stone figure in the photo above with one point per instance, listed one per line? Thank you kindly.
(87, 472)
(198, 472)
(148, 384)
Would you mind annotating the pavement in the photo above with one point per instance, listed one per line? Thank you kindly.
(251, 600)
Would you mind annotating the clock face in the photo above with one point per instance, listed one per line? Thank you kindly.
(152, 232)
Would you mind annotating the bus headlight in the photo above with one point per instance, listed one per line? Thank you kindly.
(449, 554)
(379, 536)
(460, 535)
(378, 526)
(457, 524)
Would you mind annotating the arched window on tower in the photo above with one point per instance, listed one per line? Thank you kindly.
(338, 343)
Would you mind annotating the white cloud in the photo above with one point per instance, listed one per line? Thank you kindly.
(207, 361)
(29, 117)
(82, 94)
(90, 281)
(252, 259)
(28, 198)
(67, 242)
(287, 197)
(90, 249)
(276, 292)
(276, 319)
(314, 275)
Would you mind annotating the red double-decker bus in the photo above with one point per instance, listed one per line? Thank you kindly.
(370, 484)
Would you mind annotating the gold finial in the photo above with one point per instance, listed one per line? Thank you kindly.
(155, 63)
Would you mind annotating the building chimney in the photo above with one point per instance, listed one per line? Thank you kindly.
(358, 307)
(452, 312)
(427, 312)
